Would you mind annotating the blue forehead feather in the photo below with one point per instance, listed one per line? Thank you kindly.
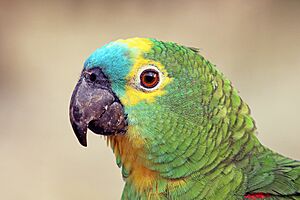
(113, 58)
(115, 61)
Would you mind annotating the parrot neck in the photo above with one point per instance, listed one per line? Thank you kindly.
(129, 152)
(142, 182)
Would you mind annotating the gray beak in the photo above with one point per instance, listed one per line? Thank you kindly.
(95, 106)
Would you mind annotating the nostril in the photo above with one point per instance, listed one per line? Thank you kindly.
(93, 77)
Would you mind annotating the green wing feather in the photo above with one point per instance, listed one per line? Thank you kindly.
(274, 174)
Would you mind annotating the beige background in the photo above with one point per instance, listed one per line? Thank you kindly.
(43, 45)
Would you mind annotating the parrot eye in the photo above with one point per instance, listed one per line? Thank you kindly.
(149, 78)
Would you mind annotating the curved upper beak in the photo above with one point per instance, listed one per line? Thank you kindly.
(94, 105)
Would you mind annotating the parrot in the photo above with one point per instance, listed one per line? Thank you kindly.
(177, 126)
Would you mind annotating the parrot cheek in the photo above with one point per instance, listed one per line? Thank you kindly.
(95, 107)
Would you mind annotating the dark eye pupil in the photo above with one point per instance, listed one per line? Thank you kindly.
(149, 78)
(93, 77)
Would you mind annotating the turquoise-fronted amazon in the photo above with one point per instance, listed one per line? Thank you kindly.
(177, 126)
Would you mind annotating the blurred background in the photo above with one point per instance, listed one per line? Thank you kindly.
(43, 45)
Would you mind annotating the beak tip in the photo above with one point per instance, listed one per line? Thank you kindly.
(82, 139)
(83, 143)
(80, 131)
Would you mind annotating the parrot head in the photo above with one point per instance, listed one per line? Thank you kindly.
(123, 84)
(156, 102)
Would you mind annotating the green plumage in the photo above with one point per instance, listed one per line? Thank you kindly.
(201, 131)
(197, 131)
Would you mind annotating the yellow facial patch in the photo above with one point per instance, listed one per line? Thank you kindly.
(133, 92)
(142, 44)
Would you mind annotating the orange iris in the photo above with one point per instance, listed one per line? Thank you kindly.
(149, 78)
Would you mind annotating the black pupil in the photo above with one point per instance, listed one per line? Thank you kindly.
(149, 77)
(93, 77)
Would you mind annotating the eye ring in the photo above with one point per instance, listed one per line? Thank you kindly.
(149, 78)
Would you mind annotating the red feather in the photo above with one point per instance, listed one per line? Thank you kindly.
(256, 196)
